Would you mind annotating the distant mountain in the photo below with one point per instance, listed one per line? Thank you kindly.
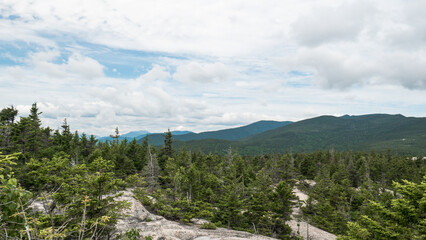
(234, 133)
(180, 132)
(129, 136)
(139, 135)
(104, 139)
(380, 132)
(225, 134)
(135, 134)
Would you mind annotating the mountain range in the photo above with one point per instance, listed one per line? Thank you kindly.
(379, 132)
(138, 135)
(225, 134)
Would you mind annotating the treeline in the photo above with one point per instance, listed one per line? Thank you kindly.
(75, 177)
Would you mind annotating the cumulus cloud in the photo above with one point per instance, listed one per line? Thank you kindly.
(220, 28)
(360, 43)
(85, 66)
(360, 31)
(342, 68)
(195, 72)
(328, 24)
(157, 73)
(77, 65)
(226, 63)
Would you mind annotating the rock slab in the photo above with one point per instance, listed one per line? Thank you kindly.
(137, 217)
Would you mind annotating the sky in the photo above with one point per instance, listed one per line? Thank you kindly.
(207, 65)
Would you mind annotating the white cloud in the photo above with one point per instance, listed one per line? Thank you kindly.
(341, 68)
(360, 31)
(219, 28)
(325, 24)
(195, 72)
(85, 66)
(157, 73)
(208, 65)
(361, 43)
(77, 65)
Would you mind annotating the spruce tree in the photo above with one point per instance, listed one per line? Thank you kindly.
(7, 122)
(166, 151)
(34, 138)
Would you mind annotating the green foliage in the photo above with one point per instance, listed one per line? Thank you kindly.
(135, 180)
(13, 200)
(7, 124)
(77, 178)
(83, 192)
(132, 234)
(143, 197)
(208, 225)
(403, 219)
(167, 150)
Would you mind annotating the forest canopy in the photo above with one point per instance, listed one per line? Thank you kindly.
(76, 178)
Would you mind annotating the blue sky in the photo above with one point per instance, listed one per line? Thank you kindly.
(198, 66)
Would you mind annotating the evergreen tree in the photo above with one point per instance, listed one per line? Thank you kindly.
(230, 205)
(85, 147)
(167, 150)
(405, 218)
(92, 143)
(21, 136)
(34, 139)
(13, 201)
(75, 148)
(7, 122)
(137, 153)
(116, 136)
(65, 137)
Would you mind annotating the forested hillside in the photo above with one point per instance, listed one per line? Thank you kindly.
(225, 134)
(357, 195)
(379, 132)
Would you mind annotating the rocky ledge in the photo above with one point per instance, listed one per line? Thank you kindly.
(137, 217)
(159, 228)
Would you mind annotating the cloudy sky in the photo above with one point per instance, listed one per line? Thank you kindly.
(206, 65)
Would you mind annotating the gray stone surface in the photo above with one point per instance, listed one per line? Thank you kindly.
(161, 228)
(137, 217)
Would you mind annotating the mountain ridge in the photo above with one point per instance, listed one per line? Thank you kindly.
(405, 135)
(223, 134)
(137, 135)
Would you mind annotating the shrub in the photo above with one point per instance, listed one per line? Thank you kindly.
(132, 234)
(208, 226)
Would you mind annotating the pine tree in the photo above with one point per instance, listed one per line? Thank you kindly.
(21, 136)
(116, 136)
(405, 218)
(65, 137)
(7, 122)
(75, 147)
(85, 148)
(34, 138)
(230, 205)
(166, 151)
(137, 154)
(92, 143)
